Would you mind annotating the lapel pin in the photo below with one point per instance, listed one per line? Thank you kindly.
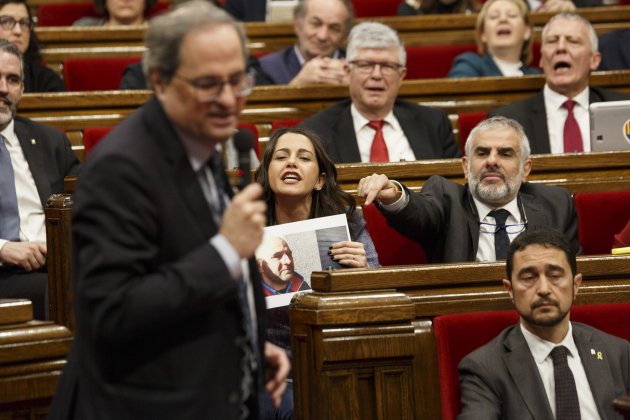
(600, 356)
(33, 142)
(593, 352)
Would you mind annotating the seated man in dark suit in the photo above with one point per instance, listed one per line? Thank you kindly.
(476, 221)
(545, 367)
(34, 159)
(556, 120)
(373, 125)
(321, 27)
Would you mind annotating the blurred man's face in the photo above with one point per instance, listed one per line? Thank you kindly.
(11, 87)
(323, 28)
(276, 263)
(566, 56)
(213, 52)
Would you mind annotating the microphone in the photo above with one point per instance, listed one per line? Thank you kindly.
(244, 142)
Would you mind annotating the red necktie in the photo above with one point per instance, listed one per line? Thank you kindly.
(572, 135)
(378, 151)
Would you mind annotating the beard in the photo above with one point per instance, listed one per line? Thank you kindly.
(542, 321)
(495, 193)
(7, 114)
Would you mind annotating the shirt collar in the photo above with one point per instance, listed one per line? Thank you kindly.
(9, 133)
(555, 100)
(483, 209)
(360, 121)
(541, 349)
(198, 151)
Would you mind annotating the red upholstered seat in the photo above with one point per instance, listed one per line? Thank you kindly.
(91, 136)
(457, 335)
(433, 61)
(600, 216)
(392, 247)
(84, 74)
(65, 14)
(276, 124)
(375, 8)
(466, 121)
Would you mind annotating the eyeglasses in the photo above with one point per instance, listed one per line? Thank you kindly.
(367, 67)
(494, 228)
(209, 88)
(7, 23)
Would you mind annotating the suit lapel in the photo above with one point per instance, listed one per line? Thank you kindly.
(538, 121)
(472, 217)
(345, 139)
(597, 370)
(522, 367)
(534, 213)
(34, 156)
(416, 133)
(186, 181)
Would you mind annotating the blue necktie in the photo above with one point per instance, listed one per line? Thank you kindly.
(501, 239)
(9, 214)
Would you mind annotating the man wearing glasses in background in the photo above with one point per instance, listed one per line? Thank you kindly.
(373, 125)
(170, 314)
(477, 221)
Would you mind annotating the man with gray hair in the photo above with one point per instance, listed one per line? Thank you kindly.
(170, 314)
(374, 125)
(321, 28)
(556, 120)
(476, 221)
(34, 159)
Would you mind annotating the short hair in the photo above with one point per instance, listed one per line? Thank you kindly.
(499, 122)
(549, 238)
(166, 33)
(8, 47)
(523, 8)
(592, 35)
(100, 6)
(376, 36)
(301, 7)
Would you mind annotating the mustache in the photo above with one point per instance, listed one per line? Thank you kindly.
(544, 301)
(5, 99)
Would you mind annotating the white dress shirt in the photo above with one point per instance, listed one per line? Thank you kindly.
(32, 219)
(508, 69)
(398, 146)
(485, 249)
(557, 115)
(541, 350)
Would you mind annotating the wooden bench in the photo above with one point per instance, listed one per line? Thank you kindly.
(363, 345)
(32, 355)
(60, 43)
(75, 111)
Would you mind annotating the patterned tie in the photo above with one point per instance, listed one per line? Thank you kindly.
(567, 403)
(246, 343)
(501, 239)
(572, 135)
(9, 214)
(378, 151)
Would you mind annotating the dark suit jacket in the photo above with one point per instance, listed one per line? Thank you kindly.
(500, 380)
(282, 66)
(444, 220)
(531, 113)
(469, 64)
(614, 49)
(428, 130)
(49, 156)
(247, 10)
(38, 78)
(158, 318)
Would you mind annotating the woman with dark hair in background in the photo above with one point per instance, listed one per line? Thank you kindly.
(17, 27)
(118, 13)
(504, 37)
(300, 183)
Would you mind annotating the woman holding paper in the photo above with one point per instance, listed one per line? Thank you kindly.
(300, 183)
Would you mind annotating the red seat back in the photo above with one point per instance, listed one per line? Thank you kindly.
(65, 14)
(433, 61)
(91, 136)
(375, 8)
(457, 335)
(392, 247)
(84, 74)
(600, 216)
(276, 124)
(466, 121)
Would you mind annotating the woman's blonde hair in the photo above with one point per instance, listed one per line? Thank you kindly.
(482, 48)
